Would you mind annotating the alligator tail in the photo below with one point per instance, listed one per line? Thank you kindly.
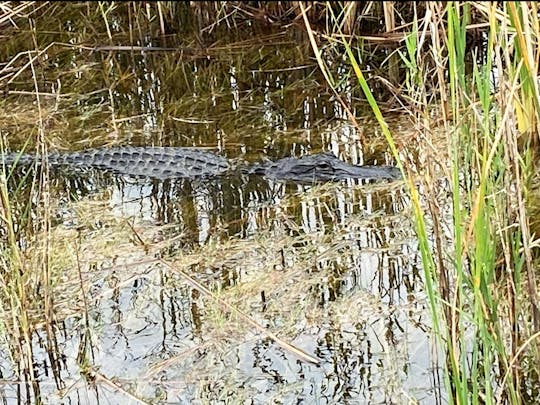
(25, 159)
(15, 158)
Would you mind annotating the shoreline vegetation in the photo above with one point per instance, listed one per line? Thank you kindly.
(462, 76)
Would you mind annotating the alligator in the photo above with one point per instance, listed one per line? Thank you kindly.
(185, 162)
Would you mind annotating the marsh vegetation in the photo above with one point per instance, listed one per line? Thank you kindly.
(246, 290)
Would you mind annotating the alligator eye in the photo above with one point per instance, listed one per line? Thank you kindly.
(324, 165)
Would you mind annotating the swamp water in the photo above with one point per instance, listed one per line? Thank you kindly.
(332, 269)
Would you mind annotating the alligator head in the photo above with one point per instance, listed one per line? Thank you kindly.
(322, 167)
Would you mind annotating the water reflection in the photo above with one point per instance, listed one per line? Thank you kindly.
(346, 247)
(236, 205)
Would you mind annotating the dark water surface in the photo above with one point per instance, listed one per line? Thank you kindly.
(333, 269)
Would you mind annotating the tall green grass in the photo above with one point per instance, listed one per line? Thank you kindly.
(14, 289)
(25, 281)
(480, 282)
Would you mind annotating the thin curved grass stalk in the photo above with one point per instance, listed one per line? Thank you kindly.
(285, 345)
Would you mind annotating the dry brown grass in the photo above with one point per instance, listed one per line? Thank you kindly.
(99, 255)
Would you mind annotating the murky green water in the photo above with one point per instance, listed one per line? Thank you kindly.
(333, 269)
